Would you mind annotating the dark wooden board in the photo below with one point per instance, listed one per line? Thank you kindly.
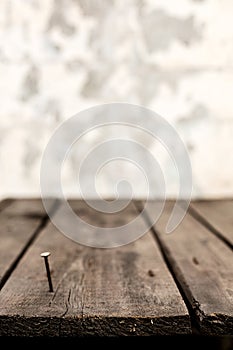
(217, 215)
(16, 233)
(203, 265)
(121, 291)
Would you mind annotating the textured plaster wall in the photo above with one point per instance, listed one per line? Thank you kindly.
(59, 57)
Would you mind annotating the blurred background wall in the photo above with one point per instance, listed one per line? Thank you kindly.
(58, 57)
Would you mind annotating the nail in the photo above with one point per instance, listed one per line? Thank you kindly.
(46, 255)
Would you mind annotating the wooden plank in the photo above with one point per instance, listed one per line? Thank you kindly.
(27, 207)
(5, 203)
(16, 234)
(202, 264)
(102, 219)
(100, 292)
(216, 215)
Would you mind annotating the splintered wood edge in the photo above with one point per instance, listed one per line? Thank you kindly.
(93, 326)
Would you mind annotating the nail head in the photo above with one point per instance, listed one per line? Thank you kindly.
(45, 254)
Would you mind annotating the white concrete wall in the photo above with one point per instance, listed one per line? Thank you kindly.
(60, 57)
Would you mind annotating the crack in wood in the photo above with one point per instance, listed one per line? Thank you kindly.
(67, 303)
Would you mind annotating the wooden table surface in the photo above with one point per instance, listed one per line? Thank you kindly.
(161, 284)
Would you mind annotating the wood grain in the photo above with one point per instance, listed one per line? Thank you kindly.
(98, 292)
(202, 264)
(217, 216)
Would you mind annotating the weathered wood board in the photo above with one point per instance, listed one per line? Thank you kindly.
(203, 265)
(102, 292)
